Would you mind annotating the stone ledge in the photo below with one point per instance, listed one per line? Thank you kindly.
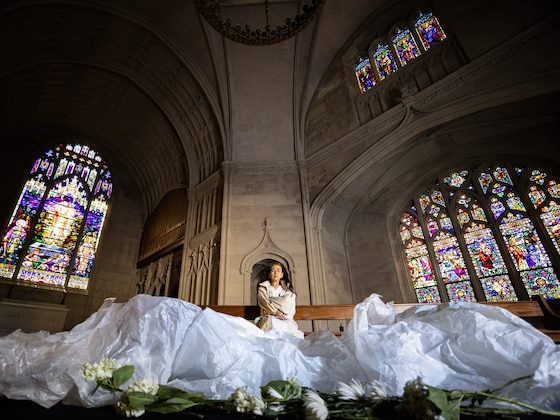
(31, 316)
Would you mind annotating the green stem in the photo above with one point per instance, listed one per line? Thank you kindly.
(518, 403)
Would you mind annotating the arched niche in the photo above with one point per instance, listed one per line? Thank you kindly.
(254, 262)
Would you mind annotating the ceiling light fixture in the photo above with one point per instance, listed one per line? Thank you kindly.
(211, 10)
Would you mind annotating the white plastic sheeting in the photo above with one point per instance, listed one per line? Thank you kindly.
(456, 346)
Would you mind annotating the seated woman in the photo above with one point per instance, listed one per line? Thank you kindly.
(277, 301)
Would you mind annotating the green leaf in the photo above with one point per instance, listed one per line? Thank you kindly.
(449, 407)
(122, 374)
(139, 399)
(453, 411)
(167, 392)
(166, 407)
(287, 389)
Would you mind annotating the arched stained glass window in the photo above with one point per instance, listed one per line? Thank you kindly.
(383, 61)
(405, 46)
(54, 230)
(508, 233)
(428, 29)
(418, 259)
(364, 74)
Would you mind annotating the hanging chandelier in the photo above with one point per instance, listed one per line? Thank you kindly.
(212, 11)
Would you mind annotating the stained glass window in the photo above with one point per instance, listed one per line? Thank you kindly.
(405, 45)
(364, 74)
(482, 237)
(383, 61)
(428, 29)
(53, 233)
(419, 263)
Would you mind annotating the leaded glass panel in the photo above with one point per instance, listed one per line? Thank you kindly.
(456, 179)
(428, 29)
(405, 45)
(460, 292)
(364, 74)
(383, 61)
(428, 295)
(542, 282)
(499, 288)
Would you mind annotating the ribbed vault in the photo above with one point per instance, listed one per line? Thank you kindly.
(135, 101)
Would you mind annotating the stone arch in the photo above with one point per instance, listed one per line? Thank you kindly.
(265, 250)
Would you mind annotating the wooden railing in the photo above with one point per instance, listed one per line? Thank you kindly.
(539, 312)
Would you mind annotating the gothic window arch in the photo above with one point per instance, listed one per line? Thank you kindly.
(490, 234)
(53, 233)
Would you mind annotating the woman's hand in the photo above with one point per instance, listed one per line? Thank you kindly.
(280, 314)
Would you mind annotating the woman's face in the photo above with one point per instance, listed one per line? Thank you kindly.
(276, 273)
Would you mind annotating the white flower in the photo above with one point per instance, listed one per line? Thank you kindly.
(315, 407)
(241, 400)
(276, 407)
(101, 370)
(122, 408)
(257, 405)
(376, 390)
(149, 386)
(352, 391)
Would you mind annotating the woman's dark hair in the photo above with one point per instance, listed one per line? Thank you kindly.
(285, 276)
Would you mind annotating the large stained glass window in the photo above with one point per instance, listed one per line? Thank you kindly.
(494, 233)
(364, 74)
(428, 29)
(54, 231)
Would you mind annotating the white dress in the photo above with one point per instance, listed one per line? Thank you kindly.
(455, 346)
(271, 299)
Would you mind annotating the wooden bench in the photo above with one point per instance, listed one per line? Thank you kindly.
(542, 314)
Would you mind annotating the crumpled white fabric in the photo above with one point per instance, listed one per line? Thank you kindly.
(463, 345)
(146, 331)
(455, 346)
